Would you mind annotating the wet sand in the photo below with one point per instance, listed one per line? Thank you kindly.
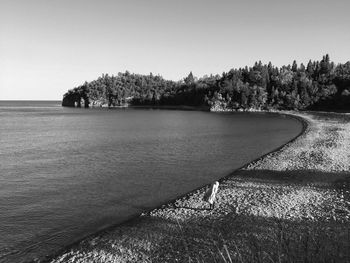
(290, 205)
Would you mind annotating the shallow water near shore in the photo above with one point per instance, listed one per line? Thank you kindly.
(66, 173)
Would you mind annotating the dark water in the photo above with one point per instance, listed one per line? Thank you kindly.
(66, 173)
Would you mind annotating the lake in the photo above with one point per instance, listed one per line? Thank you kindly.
(67, 172)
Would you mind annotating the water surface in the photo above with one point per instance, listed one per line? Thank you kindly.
(66, 173)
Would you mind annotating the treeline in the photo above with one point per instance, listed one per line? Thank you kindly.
(320, 85)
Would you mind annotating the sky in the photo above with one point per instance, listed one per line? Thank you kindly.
(50, 46)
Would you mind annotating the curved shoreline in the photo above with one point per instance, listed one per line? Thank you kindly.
(197, 190)
(304, 128)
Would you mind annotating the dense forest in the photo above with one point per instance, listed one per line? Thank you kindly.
(320, 85)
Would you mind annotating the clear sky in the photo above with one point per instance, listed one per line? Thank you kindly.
(50, 46)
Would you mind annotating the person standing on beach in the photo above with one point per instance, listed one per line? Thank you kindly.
(210, 195)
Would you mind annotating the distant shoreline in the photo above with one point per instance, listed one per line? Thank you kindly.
(169, 107)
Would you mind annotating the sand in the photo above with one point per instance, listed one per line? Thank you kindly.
(291, 205)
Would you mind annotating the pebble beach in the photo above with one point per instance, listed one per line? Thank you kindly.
(290, 205)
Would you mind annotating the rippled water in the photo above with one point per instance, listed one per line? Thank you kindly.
(66, 173)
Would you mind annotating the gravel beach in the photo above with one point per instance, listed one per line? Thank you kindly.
(292, 205)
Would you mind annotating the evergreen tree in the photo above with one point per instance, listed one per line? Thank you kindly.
(320, 85)
(189, 80)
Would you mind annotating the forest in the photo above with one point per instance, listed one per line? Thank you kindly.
(320, 85)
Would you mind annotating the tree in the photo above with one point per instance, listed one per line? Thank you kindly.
(189, 80)
(320, 84)
(310, 68)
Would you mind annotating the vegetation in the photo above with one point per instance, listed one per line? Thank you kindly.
(318, 85)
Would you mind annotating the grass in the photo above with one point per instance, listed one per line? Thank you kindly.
(241, 237)
(247, 239)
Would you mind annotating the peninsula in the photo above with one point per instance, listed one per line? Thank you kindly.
(320, 85)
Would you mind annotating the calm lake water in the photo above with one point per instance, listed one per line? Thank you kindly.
(66, 173)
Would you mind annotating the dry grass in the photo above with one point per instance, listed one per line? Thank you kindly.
(291, 206)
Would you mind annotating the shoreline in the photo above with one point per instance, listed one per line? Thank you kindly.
(170, 107)
(149, 107)
(202, 188)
